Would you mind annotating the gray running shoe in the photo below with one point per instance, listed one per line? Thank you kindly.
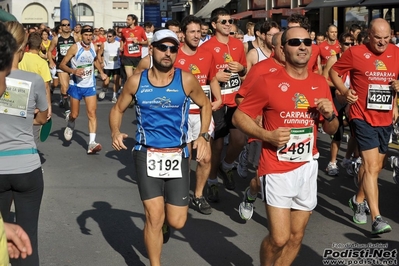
(68, 132)
(380, 226)
(332, 169)
(202, 205)
(227, 177)
(94, 148)
(359, 215)
(246, 208)
(347, 164)
(242, 167)
(212, 193)
(114, 100)
(395, 166)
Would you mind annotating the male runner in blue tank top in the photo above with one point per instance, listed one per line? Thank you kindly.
(162, 95)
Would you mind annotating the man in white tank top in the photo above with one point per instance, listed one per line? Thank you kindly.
(112, 64)
(83, 57)
(264, 51)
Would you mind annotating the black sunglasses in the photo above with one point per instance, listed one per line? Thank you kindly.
(233, 32)
(163, 48)
(110, 36)
(298, 42)
(348, 43)
(224, 21)
(65, 25)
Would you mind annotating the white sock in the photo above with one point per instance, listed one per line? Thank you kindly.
(114, 95)
(227, 166)
(92, 137)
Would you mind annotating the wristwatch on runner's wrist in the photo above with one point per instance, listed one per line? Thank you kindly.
(206, 136)
(331, 118)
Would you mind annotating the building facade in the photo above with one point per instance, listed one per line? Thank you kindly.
(97, 13)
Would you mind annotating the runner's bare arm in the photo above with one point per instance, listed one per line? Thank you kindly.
(215, 89)
(53, 44)
(116, 113)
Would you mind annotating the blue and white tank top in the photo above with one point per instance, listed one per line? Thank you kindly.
(84, 59)
(162, 114)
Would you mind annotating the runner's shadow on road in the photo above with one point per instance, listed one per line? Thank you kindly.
(79, 137)
(210, 241)
(118, 230)
(125, 157)
(307, 256)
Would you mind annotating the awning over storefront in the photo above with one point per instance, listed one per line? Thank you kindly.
(386, 3)
(5, 16)
(242, 15)
(333, 3)
(206, 11)
(34, 14)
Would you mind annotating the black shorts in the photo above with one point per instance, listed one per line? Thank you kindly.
(112, 72)
(223, 121)
(174, 190)
(369, 137)
(130, 61)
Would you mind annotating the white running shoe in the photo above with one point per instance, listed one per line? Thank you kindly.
(94, 148)
(332, 169)
(101, 95)
(114, 99)
(68, 132)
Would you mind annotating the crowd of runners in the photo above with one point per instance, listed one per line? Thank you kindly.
(249, 103)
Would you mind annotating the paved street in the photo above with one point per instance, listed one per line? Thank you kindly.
(92, 215)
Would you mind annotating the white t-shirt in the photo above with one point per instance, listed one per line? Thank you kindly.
(248, 38)
(144, 48)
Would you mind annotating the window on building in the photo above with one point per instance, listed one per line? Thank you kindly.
(120, 5)
(82, 10)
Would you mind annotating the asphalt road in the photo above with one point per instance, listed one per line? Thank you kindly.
(91, 214)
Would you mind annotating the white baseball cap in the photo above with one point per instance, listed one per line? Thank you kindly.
(161, 35)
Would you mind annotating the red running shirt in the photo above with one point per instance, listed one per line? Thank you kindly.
(223, 54)
(367, 68)
(128, 37)
(198, 64)
(285, 102)
(327, 50)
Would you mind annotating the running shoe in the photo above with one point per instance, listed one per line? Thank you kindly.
(114, 99)
(101, 95)
(94, 148)
(395, 166)
(202, 205)
(347, 164)
(380, 226)
(165, 233)
(67, 113)
(246, 208)
(227, 177)
(212, 193)
(242, 167)
(359, 211)
(332, 169)
(68, 132)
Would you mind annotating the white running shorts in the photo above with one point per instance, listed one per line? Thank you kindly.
(194, 127)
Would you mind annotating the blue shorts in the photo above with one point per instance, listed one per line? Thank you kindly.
(79, 93)
(369, 137)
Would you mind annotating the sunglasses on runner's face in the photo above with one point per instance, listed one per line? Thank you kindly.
(163, 48)
(65, 25)
(224, 21)
(298, 42)
(349, 43)
(232, 33)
